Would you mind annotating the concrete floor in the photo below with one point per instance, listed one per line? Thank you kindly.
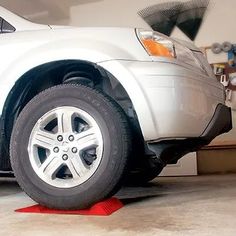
(191, 206)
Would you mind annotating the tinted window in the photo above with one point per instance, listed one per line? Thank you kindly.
(6, 27)
(1, 20)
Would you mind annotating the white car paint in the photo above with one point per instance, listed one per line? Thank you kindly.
(20, 23)
(168, 95)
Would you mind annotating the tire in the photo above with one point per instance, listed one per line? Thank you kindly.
(74, 169)
(147, 169)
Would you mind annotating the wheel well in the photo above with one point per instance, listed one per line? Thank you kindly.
(59, 72)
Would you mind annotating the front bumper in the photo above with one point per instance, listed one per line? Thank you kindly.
(172, 100)
(182, 102)
(220, 123)
(170, 151)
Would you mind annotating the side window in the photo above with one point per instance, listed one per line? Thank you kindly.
(1, 20)
(6, 27)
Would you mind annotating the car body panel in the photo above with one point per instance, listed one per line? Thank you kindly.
(19, 22)
(171, 101)
(168, 95)
(23, 51)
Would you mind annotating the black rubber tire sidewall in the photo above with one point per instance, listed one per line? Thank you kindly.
(108, 176)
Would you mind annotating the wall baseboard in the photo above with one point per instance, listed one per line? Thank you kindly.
(216, 161)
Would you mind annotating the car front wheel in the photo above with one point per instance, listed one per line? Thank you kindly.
(69, 147)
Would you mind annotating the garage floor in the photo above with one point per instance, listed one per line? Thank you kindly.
(204, 205)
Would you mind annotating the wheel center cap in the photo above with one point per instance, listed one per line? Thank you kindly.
(65, 146)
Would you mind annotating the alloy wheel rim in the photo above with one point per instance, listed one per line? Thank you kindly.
(65, 147)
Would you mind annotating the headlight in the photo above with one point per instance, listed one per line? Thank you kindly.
(187, 56)
(156, 44)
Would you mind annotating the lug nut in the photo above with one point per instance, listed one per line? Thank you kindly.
(74, 150)
(56, 149)
(65, 157)
(71, 138)
(59, 138)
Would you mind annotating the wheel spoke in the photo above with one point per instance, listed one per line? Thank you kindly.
(83, 134)
(48, 160)
(87, 139)
(64, 120)
(51, 165)
(77, 167)
(44, 139)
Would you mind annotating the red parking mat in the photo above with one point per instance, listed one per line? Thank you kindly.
(104, 208)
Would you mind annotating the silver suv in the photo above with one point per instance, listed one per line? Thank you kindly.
(85, 109)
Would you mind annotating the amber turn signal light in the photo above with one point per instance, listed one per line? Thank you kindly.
(156, 49)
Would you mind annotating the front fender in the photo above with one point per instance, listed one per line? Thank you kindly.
(130, 83)
(28, 50)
